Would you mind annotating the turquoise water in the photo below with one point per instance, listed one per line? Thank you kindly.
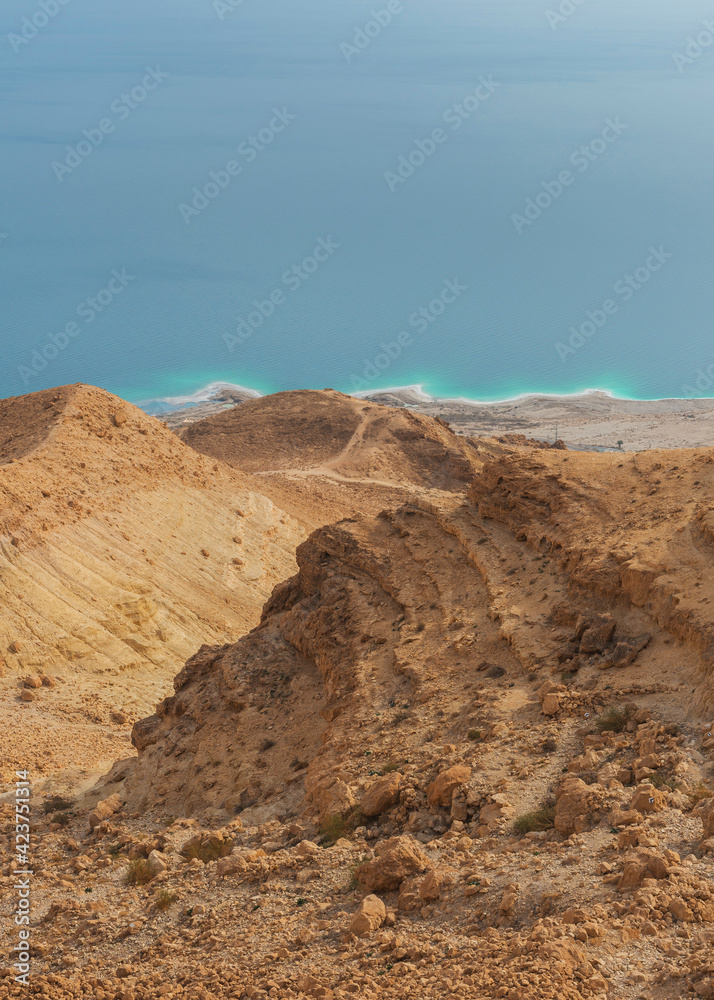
(462, 196)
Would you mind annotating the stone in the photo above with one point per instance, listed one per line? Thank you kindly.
(595, 638)
(369, 917)
(27, 695)
(648, 799)
(32, 681)
(397, 859)
(707, 813)
(658, 867)
(680, 911)
(234, 864)
(632, 875)
(431, 886)
(157, 863)
(624, 817)
(551, 704)
(381, 795)
(572, 807)
(104, 809)
(441, 791)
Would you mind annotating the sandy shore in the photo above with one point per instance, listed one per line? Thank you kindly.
(594, 420)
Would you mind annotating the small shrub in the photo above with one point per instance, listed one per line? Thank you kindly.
(613, 720)
(55, 804)
(139, 872)
(164, 899)
(536, 819)
(208, 850)
(662, 780)
(301, 901)
(700, 792)
(474, 734)
(62, 819)
(334, 828)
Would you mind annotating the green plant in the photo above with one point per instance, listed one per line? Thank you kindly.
(164, 899)
(474, 734)
(613, 720)
(301, 901)
(208, 850)
(139, 872)
(56, 803)
(700, 792)
(662, 780)
(536, 819)
(334, 828)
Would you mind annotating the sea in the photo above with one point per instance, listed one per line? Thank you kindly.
(485, 198)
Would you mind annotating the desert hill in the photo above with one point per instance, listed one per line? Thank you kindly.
(460, 687)
(121, 551)
(463, 751)
(320, 452)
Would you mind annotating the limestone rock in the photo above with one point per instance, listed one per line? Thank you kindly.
(598, 634)
(431, 886)
(104, 809)
(369, 917)
(572, 807)
(551, 704)
(397, 859)
(381, 795)
(648, 799)
(157, 863)
(441, 791)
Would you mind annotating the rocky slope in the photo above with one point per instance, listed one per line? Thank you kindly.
(464, 753)
(121, 551)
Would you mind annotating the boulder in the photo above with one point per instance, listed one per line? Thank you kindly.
(441, 791)
(381, 795)
(707, 814)
(572, 807)
(397, 859)
(431, 886)
(597, 636)
(369, 917)
(648, 799)
(624, 817)
(157, 863)
(104, 809)
(551, 704)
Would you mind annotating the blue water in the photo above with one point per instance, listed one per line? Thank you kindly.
(338, 121)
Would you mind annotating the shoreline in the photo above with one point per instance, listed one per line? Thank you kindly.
(590, 420)
(213, 391)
